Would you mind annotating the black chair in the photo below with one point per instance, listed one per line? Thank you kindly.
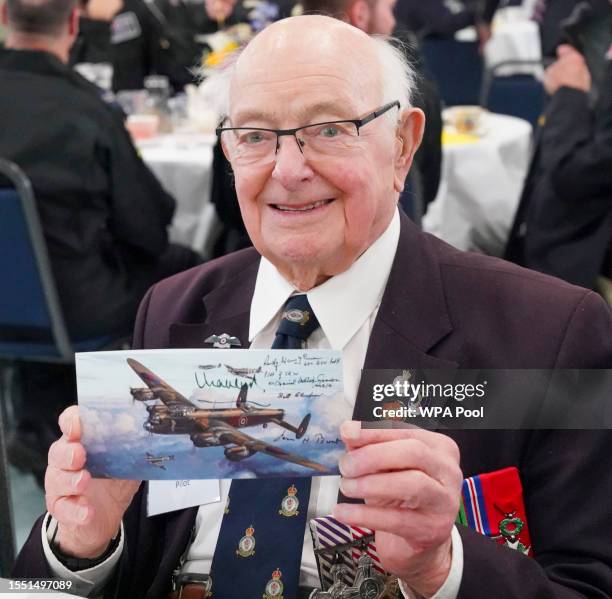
(32, 326)
(457, 67)
(521, 95)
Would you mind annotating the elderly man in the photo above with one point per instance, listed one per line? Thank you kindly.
(320, 143)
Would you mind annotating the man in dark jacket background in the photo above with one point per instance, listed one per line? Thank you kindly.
(103, 213)
(136, 40)
(563, 225)
(435, 19)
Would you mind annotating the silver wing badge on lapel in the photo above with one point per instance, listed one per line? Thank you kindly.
(223, 341)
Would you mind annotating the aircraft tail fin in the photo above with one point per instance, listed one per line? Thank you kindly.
(242, 396)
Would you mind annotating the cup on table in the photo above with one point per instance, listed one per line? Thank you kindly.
(465, 119)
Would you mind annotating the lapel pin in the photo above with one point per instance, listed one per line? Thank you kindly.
(224, 341)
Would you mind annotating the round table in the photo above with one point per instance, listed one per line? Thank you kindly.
(481, 183)
(183, 165)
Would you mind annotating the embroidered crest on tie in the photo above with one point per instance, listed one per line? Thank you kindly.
(246, 547)
(290, 504)
(274, 588)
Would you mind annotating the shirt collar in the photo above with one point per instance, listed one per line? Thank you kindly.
(343, 303)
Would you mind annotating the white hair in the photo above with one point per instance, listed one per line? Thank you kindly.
(397, 77)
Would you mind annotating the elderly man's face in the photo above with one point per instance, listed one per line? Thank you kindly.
(311, 214)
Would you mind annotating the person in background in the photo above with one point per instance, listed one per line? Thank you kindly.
(202, 17)
(434, 18)
(135, 40)
(549, 14)
(563, 226)
(104, 215)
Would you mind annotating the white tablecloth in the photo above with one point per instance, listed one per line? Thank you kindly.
(481, 185)
(514, 37)
(183, 165)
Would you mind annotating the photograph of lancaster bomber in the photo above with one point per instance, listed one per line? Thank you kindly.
(157, 415)
(215, 426)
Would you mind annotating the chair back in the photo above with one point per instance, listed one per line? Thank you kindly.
(520, 94)
(32, 325)
(31, 321)
(457, 67)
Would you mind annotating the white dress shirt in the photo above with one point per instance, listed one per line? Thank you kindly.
(346, 306)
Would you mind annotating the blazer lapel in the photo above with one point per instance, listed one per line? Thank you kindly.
(227, 311)
(412, 317)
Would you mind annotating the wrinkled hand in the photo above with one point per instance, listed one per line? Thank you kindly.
(410, 480)
(88, 511)
(103, 10)
(570, 70)
(219, 10)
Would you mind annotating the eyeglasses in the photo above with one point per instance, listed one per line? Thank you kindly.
(252, 145)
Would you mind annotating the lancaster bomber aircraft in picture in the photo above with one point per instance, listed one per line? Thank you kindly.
(173, 414)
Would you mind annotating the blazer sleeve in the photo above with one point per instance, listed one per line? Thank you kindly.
(567, 488)
(31, 561)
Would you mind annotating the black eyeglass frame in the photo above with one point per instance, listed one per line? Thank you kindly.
(280, 132)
